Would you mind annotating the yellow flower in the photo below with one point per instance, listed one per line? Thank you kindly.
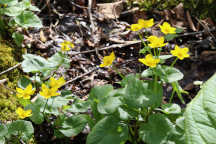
(23, 113)
(108, 60)
(26, 93)
(66, 46)
(156, 42)
(180, 53)
(135, 27)
(146, 23)
(149, 61)
(48, 92)
(54, 83)
(167, 29)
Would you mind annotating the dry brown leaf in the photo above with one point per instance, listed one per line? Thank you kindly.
(179, 11)
(111, 10)
(191, 24)
(42, 36)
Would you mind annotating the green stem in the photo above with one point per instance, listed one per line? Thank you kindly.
(144, 43)
(172, 95)
(45, 105)
(155, 81)
(119, 73)
(155, 52)
(174, 62)
(132, 134)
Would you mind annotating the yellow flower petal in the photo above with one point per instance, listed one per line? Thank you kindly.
(149, 61)
(180, 53)
(156, 42)
(166, 28)
(146, 23)
(48, 92)
(26, 93)
(54, 83)
(66, 46)
(135, 27)
(108, 60)
(23, 113)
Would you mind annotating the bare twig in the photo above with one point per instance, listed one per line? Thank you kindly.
(109, 47)
(79, 6)
(82, 75)
(11, 68)
(206, 28)
(194, 33)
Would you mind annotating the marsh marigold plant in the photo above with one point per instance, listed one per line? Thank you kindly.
(25, 93)
(146, 23)
(48, 92)
(56, 83)
(150, 61)
(166, 28)
(23, 113)
(156, 42)
(108, 60)
(66, 46)
(180, 53)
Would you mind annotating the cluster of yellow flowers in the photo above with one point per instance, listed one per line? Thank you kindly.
(55, 84)
(46, 92)
(158, 42)
(66, 46)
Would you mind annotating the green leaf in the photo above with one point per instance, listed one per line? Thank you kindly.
(55, 104)
(79, 106)
(59, 59)
(97, 94)
(18, 38)
(178, 135)
(9, 2)
(200, 115)
(21, 127)
(14, 10)
(139, 94)
(24, 82)
(28, 19)
(179, 30)
(147, 73)
(37, 109)
(2, 140)
(144, 50)
(170, 37)
(34, 63)
(171, 109)
(109, 105)
(163, 58)
(157, 130)
(135, 92)
(72, 126)
(169, 74)
(3, 130)
(108, 130)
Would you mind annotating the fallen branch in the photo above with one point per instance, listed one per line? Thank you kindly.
(109, 47)
(78, 77)
(11, 68)
(194, 33)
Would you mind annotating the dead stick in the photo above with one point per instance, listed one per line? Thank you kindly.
(109, 47)
(80, 76)
(11, 68)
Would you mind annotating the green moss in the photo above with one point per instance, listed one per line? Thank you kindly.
(8, 103)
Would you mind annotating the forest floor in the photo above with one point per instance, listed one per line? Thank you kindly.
(100, 28)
